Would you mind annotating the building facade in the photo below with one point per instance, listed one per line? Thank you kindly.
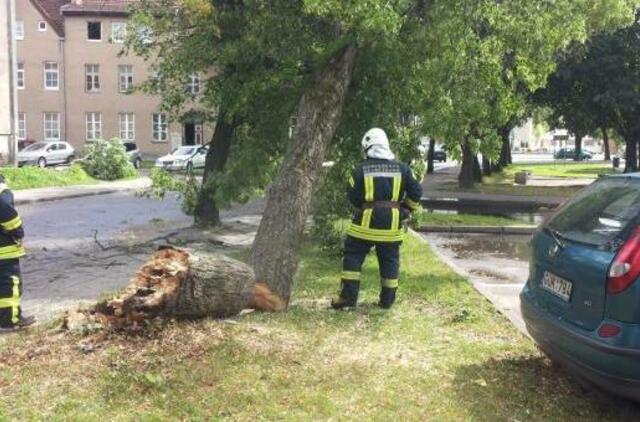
(74, 85)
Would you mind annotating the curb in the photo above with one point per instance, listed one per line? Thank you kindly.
(491, 204)
(505, 230)
(74, 195)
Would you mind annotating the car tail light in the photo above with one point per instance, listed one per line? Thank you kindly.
(609, 330)
(626, 266)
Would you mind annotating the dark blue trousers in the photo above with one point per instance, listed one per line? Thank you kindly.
(355, 252)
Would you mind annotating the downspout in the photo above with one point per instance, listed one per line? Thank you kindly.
(13, 93)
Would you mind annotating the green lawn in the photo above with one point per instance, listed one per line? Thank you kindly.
(499, 185)
(445, 219)
(443, 353)
(34, 177)
(567, 169)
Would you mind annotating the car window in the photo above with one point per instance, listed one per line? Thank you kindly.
(600, 212)
(36, 147)
(183, 151)
(129, 146)
(62, 147)
(52, 147)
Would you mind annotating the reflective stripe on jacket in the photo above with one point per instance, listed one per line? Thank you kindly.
(381, 181)
(11, 230)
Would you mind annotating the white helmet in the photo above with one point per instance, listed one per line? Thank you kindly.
(375, 137)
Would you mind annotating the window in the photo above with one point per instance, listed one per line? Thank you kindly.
(118, 32)
(20, 76)
(42, 26)
(94, 31)
(194, 84)
(51, 126)
(125, 77)
(93, 126)
(19, 30)
(22, 126)
(51, 80)
(92, 76)
(159, 127)
(127, 126)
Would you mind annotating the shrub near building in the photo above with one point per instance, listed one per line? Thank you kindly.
(108, 160)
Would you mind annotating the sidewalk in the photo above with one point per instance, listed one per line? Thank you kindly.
(29, 196)
(436, 195)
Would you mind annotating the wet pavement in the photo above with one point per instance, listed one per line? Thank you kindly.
(496, 265)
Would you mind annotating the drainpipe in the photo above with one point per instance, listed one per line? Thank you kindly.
(12, 139)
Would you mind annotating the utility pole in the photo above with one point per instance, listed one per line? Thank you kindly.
(8, 94)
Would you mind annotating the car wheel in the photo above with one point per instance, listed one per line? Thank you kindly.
(70, 159)
(42, 162)
(137, 163)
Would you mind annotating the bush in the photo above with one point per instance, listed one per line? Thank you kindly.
(108, 160)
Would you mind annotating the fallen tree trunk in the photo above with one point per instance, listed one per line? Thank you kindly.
(177, 284)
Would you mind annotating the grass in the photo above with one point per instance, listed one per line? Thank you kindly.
(34, 177)
(443, 353)
(451, 219)
(499, 185)
(579, 170)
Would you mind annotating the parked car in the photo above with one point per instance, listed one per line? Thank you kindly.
(439, 155)
(570, 154)
(581, 302)
(134, 154)
(45, 154)
(187, 157)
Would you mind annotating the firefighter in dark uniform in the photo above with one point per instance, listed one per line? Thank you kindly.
(385, 192)
(11, 250)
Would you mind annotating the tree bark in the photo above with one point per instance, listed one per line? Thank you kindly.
(486, 165)
(607, 147)
(432, 149)
(275, 250)
(505, 151)
(465, 178)
(578, 146)
(631, 155)
(207, 212)
(477, 169)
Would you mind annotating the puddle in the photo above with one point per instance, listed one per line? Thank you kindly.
(484, 247)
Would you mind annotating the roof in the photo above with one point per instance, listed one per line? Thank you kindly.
(98, 7)
(50, 10)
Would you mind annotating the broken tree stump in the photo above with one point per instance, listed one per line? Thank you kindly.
(180, 284)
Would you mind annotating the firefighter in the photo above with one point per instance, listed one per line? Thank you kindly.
(11, 250)
(384, 192)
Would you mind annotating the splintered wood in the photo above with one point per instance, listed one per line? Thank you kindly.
(153, 291)
(180, 284)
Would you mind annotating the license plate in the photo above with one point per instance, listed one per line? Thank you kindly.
(557, 285)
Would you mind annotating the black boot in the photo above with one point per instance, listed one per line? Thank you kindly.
(348, 296)
(387, 297)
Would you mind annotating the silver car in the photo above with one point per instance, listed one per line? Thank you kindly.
(44, 154)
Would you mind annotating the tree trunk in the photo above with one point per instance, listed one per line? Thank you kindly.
(477, 170)
(578, 147)
(486, 165)
(207, 212)
(607, 147)
(631, 156)
(275, 250)
(175, 283)
(505, 150)
(465, 178)
(432, 149)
